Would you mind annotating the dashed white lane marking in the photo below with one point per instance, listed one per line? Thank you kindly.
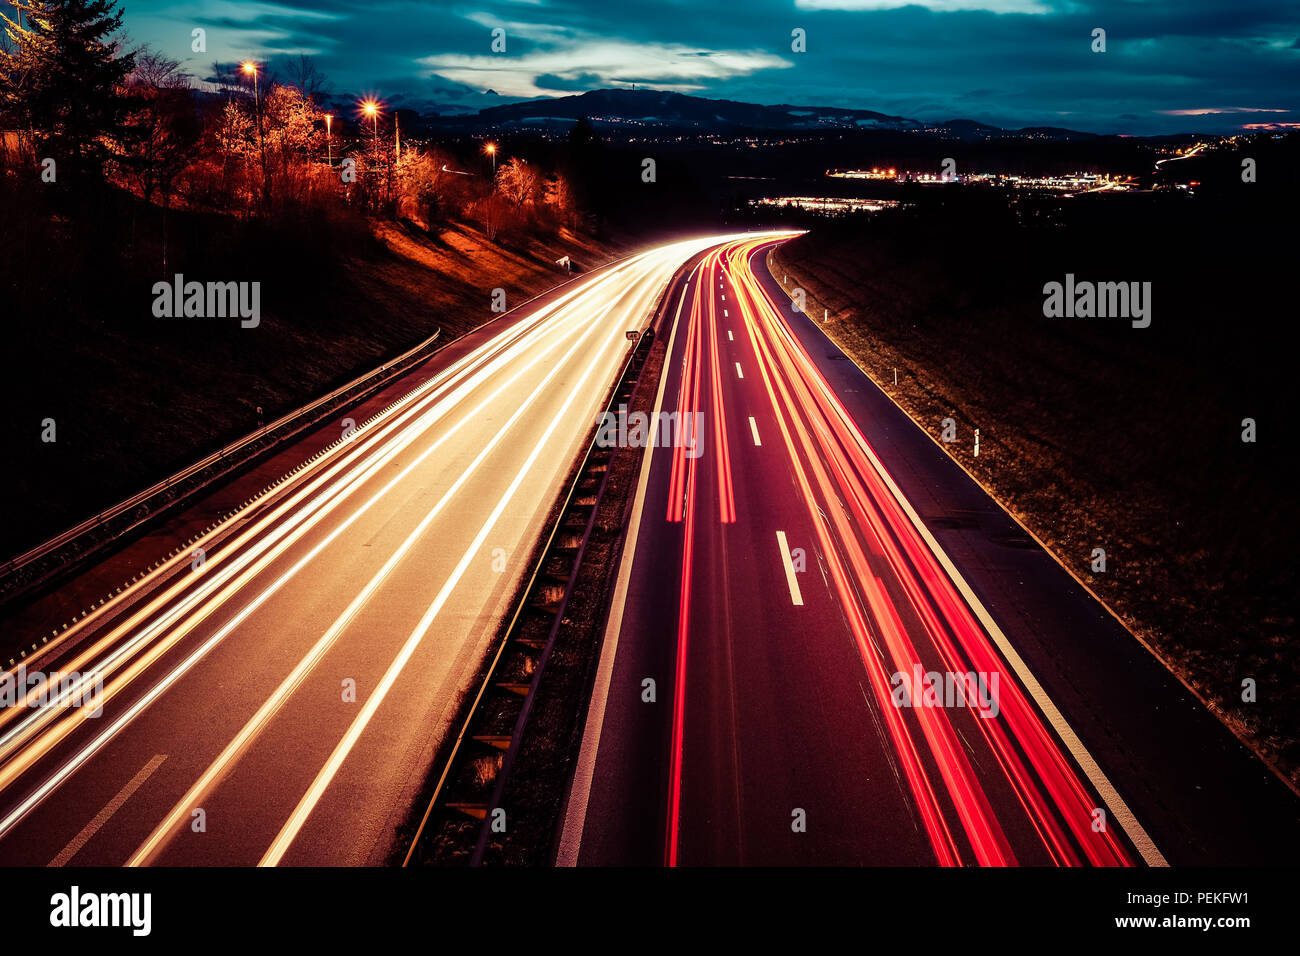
(739, 373)
(110, 808)
(730, 337)
(795, 595)
(753, 427)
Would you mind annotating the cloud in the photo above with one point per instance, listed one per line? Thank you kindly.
(602, 62)
(939, 6)
(1006, 62)
(578, 84)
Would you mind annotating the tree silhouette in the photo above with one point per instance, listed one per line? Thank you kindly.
(60, 83)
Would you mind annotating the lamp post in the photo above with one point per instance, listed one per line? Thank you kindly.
(491, 150)
(329, 143)
(371, 108)
(250, 69)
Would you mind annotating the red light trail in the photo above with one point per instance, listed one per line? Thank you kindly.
(862, 528)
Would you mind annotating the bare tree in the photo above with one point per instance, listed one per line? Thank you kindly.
(226, 77)
(559, 199)
(306, 78)
(519, 183)
(158, 71)
(293, 138)
(235, 141)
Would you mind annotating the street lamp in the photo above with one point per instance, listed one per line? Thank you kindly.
(329, 143)
(249, 68)
(371, 108)
(491, 149)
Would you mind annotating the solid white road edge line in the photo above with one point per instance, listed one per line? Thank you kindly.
(575, 809)
(1141, 840)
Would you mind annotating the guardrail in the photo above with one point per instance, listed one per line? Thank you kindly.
(84, 539)
(40, 564)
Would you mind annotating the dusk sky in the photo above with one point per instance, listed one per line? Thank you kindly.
(1170, 65)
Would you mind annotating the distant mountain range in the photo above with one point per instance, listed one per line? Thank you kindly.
(627, 110)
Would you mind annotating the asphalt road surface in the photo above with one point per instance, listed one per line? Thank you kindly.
(279, 698)
(829, 646)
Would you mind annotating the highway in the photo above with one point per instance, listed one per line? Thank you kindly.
(791, 595)
(279, 698)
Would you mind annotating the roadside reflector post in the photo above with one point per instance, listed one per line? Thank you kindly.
(977, 443)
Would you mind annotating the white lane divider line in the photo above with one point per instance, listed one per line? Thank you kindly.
(730, 337)
(90, 829)
(796, 595)
(739, 373)
(724, 313)
(753, 427)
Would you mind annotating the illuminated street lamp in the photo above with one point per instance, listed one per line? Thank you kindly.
(249, 68)
(491, 150)
(370, 108)
(329, 144)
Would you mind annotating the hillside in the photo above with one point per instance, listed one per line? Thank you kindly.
(629, 110)
(135, 397)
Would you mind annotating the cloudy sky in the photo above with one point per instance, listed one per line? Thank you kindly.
(1169, 65)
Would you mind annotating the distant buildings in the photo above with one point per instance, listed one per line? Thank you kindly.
(1072, 183)
(826, 205)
